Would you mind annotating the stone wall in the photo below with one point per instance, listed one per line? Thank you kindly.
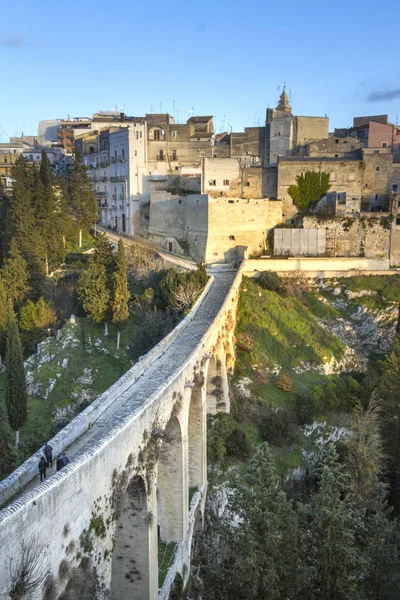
(309, 129)
(367, 236)
(335, 147)
(318, 267)
(211, 229)
(368, 179)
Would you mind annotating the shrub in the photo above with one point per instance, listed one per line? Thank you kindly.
(219, 428)
(277, 426)
(284, 383)
(270, 281)
(238, 445)
(304, 408)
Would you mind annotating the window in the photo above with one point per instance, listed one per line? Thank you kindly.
(212, 182)
(398, 204)
(377, 169)
(398, 221)
(202, 154)
(161, 155)
(156, 134)
(226, 181)
(5, 160)
(137, 135)
(394, 188)
(247, 183)
(174, 134)
(384, 145)
(280, 143)
(91, 149)
(232, 237)
(173, 157)
(115, 154)
(336, 155)
(336, 141)
(140, 133)
(351, 176)
(169, 246)
(135, 152)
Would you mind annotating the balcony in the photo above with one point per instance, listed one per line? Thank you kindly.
(114, 159)
(104, 205)
(121, 206)
(160, 157)
(104, 163)
(173, 157)
(103, 178)
(117, 178)
(114, 197)
(122, 196)
(101, 193)
(121, 159)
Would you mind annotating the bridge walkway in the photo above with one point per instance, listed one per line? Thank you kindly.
(153, 379)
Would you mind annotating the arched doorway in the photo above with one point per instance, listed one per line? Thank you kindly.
(131, 558)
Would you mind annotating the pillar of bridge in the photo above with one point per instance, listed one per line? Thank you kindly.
(217, 382)
(172, 483)
(134, 569)
(197, 436)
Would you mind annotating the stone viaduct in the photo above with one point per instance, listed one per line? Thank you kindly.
(138, 466)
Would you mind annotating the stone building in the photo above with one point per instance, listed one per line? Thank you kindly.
(367, 178)
(374, 132)
(211, 229)
(9, 153)
(285, 133)
(116, 159)
(233, 178)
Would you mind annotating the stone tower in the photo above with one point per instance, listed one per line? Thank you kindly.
(284, 105)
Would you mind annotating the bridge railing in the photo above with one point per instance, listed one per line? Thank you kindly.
(19, 478)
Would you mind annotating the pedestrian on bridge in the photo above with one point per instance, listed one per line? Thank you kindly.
(62, 460)
(48, 452)
(42, 468)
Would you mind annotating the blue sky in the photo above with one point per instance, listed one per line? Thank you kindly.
(225, 58)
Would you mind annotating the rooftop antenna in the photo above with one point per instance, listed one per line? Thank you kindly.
(290, 96)
(151, 109)
(173, 108)
(177, 116)
(258, 122)
(190, 112)
(229, 124)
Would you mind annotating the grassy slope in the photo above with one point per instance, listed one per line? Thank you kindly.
(283, 329)
(104, 362)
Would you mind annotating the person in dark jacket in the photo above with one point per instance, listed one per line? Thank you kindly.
(62, 460)
(42, 468)
(48, 452)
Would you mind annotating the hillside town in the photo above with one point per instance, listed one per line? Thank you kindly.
(217, 196)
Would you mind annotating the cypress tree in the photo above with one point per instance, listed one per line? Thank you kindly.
(96, 292)
(330, 544)
(5, 313)
(120, 291)
(16, 395)
(82, 199)
(45, 172)
(22, 222)
(15, 274)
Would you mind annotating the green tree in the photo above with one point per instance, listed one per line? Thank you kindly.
(45, 172)
(5, 314)
(36, 317)
(22, 226)
(120, 291)
(309, 189)
(365, 456)
(15, 274)
(82, 199)
(16, 395)
(95, 287)
(257, 543)
(382, 578)
(330, 530)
